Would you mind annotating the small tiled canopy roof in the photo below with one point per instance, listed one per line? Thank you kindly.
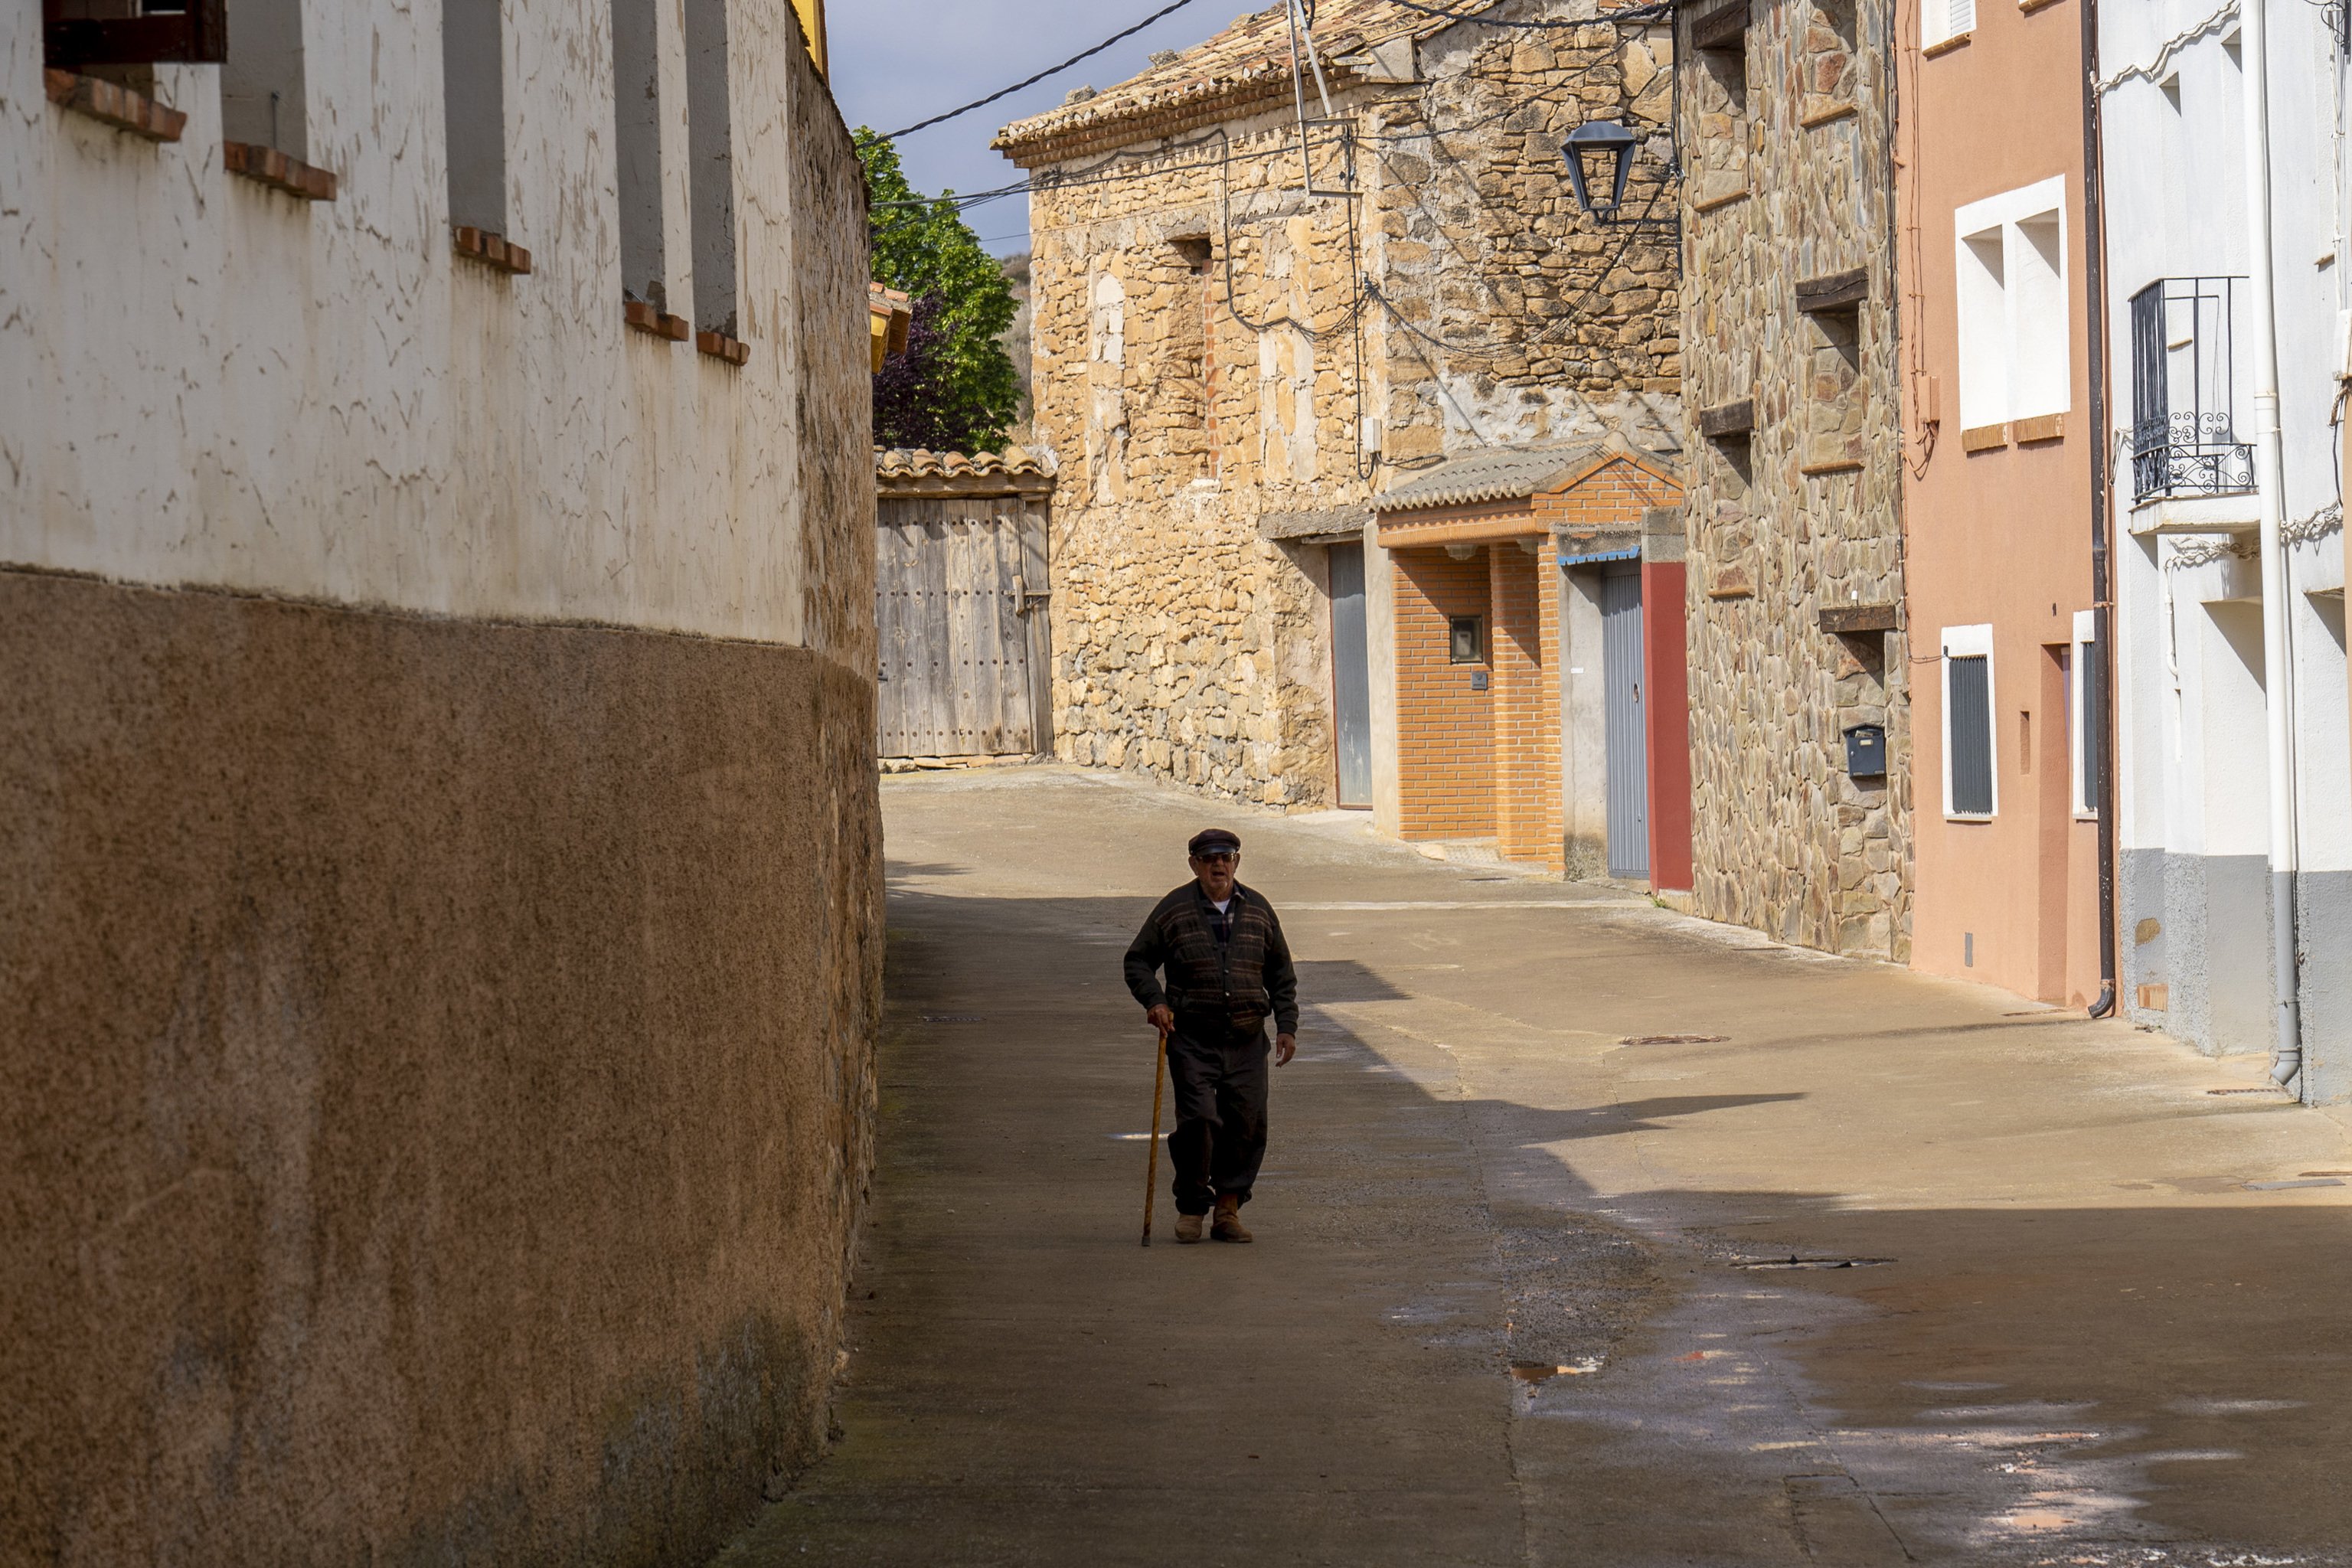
(912, 470)
(1244, 69)
(1511, 473)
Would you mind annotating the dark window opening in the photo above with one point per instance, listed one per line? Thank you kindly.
(709, 142)
(1465, 638)
(1191, 360)
(636, 145)
(261, 83)
(473, 101)
(77, 35)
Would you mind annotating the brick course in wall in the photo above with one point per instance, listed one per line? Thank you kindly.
(1525, 590)
(1445, 730)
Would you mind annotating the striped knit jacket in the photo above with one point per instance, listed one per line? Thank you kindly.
(1239, 980)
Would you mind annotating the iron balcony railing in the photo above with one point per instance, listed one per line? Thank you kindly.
(2184, 390)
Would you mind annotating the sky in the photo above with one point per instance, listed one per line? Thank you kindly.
(897, 61)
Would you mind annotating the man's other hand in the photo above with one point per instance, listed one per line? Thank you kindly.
(1285, 1047)
(1162, 1018)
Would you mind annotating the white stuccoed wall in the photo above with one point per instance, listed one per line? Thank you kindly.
(206, 383)
(2193, 828)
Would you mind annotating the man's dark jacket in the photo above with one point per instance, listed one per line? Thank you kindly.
(1234, 983)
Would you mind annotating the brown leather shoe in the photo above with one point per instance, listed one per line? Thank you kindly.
(1188, 1227)
(1228, 1226)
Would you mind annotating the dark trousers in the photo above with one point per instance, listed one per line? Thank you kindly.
(1220, 1081)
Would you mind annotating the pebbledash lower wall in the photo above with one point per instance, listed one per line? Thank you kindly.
(434, 1073)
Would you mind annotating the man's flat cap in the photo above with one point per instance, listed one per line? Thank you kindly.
(1212, 841)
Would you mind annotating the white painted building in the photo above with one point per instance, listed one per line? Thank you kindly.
(2197, 851)
(442, 849)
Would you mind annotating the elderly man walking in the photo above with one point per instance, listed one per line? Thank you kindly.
(1226, 968)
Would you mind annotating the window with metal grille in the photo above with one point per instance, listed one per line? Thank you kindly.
(1969, 786)
(2184, 390)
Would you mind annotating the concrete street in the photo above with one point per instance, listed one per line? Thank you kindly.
(1521, 1292)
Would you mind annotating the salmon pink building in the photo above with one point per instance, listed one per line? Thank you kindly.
(2002, 435)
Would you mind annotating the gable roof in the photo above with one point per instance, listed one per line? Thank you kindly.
(1508, 473)
(1244, 69)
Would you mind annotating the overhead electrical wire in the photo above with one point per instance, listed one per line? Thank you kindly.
(1557, 93)
(1169, 9)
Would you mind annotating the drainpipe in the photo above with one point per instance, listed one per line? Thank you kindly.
(2253, 25)
(2100, 719)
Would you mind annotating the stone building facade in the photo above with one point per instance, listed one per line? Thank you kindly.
(1794, 530)
(1245, 331)
(436, 782)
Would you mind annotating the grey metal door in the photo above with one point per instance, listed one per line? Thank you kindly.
(1628, 752)
(1351, 676)
(964, 651)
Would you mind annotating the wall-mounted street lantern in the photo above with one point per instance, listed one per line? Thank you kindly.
(1599, 155)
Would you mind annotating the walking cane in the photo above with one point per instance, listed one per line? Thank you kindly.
(1152, 1164)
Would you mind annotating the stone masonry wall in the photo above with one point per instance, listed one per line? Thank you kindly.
(1216, 348)
(1791, 182)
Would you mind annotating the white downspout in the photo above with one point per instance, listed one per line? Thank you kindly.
(2278, 668)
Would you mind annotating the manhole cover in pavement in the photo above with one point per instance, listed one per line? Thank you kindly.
(1674, 1040)
(953, 1018)
(2258, 1088)
(1794, 1262)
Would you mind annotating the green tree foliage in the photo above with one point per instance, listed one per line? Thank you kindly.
(955, 390)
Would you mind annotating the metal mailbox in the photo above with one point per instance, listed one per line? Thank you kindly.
(1865, 751)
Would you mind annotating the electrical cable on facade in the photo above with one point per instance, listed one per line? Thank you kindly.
(1632, 14)
(2153, 70)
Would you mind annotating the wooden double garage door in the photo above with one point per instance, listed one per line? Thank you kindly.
(966, 654)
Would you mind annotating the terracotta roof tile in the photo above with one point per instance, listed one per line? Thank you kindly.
(914, 468)
(1511, 473)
